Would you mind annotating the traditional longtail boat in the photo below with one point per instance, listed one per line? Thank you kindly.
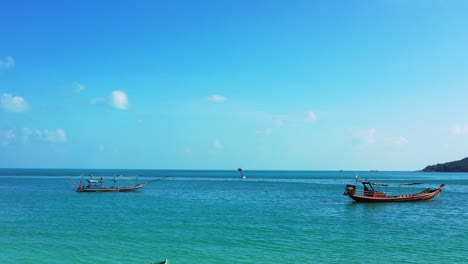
(370, 194)
(97, 185)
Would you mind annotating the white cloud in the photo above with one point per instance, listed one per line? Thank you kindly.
(101, 148)
(7, 137)
(12, 103)
(311, 117)
(51, 136)
(26, 131)
(370, 138)
(399, 140)
(373, 137)
(119, 100)
(279, 122)
(217, 98)
(217, 144)
(26, 135)
(7, 63)
(79, 88)
(265, 132)
(460, 129)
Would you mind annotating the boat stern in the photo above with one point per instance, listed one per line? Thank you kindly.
(350, 189)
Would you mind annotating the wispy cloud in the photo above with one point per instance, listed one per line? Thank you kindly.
(365, 136)
(51, 136)
(7, 63)
(217, 98)
(27, 135)
(279, 122)
(460, 129)
(188, 151)
(217, 144)
(12, 103)
(7, 137)
(373, 137)
(100, 101)
(265, 132)
(399, 140)
(117, 99)
(109, 149)
(79, 88)
(310, 117)
(370, 137)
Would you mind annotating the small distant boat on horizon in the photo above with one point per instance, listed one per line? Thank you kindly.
(96, 185)
(241, 173)
(370, 194)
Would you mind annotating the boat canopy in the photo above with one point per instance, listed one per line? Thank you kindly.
(386, 184)
(374, 183)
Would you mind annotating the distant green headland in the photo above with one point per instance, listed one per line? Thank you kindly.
(453, 166)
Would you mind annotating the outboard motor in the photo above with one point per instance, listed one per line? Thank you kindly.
(350, 189)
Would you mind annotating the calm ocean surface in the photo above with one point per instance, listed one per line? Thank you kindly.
(215, 217)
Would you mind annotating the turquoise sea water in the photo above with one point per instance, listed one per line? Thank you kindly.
(215, 217)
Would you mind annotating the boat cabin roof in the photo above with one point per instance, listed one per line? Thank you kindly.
(386, 184)
(373, 183)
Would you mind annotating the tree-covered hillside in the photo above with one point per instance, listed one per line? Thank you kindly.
(453, 166)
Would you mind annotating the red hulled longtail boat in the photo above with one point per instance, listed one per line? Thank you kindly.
(369, 193)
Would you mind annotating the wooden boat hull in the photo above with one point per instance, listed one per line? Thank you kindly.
(422, 196)
(110, 189)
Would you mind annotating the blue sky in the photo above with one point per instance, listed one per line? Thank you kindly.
(300, 85)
